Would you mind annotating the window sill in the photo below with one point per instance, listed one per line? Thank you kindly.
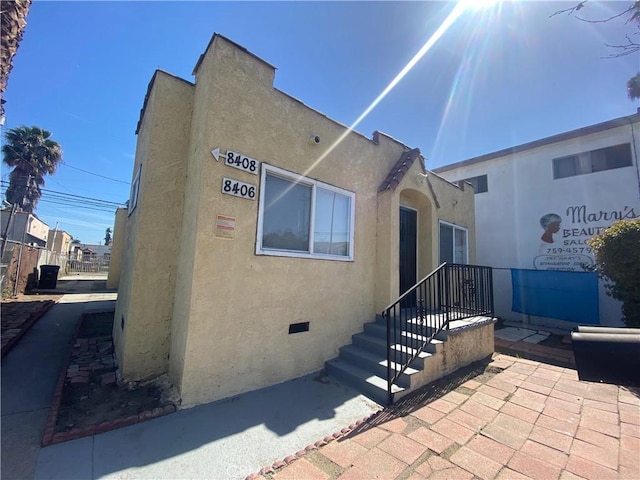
(312, 256)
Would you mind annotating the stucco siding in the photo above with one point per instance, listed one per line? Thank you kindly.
(155, 225)
(222, 326)
(117, 248)
(241, 303)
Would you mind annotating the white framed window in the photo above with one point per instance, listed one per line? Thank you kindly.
(135, 188)
(454, 246)
(302, 217)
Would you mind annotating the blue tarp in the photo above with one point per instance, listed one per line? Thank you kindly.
(571, 296)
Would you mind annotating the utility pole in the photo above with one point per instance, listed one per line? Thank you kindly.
(24, 231)
(53, 240)
(14, 208)
(5, 235)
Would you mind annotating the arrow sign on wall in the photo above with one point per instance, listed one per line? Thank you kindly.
(216, 153)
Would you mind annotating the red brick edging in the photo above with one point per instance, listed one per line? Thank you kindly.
(24, 328)
(314, 446)
(50, 437)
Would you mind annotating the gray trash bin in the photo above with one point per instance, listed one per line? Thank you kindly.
(48, 277)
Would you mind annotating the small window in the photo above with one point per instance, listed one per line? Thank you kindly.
(453, 244)
(135, 188)
(566, 167)
(301, 217)
(608, 158)
(480, 184)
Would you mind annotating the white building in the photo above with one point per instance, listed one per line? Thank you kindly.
(24, 227)
(536, 206)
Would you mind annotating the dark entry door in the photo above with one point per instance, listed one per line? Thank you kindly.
(408, 256)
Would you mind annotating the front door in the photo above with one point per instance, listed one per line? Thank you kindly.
(408, 255)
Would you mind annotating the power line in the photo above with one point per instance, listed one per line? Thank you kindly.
(96, 174)
(80, 169)
(55, 181)
(78, 206)
(75, 201)
(4, 183)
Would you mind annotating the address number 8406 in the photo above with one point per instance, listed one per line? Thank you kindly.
(238, 188)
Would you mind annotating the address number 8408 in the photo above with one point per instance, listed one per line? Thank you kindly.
(241, 162)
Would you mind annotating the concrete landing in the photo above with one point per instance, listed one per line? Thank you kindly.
(514, 334)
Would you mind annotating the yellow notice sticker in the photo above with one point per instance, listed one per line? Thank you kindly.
(225, 226)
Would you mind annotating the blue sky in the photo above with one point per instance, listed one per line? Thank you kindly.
(498, 77)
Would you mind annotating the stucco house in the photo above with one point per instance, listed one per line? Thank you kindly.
(59, 241)
(24, 227)
(261, 235)
(538, 203)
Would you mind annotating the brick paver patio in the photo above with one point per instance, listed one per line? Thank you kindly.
(517, 419)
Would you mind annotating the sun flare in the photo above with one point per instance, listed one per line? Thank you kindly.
(480, 4)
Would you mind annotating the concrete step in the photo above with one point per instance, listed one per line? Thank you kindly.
(378, 344)
(378, 347)
(380, 330)
(363, 364)
(369, 384)
(376, 364)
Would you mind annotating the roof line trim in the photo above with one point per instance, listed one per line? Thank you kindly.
(580, 132)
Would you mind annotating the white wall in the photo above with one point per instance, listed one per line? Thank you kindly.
(25, 223)
(521, 189)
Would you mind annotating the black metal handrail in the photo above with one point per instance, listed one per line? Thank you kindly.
(451, 292)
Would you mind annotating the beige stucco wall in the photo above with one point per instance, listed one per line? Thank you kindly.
(231, 325)
(232, 308)
(467, 342)
(152, 233)
(211, 311)
(435, 199)
(117, 248)
(467, 345)
(457, 207)
(58, 241)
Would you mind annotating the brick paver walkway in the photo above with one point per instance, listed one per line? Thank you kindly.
(19, 314)
(518, 419)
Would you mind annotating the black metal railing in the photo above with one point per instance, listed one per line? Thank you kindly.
(451, 292)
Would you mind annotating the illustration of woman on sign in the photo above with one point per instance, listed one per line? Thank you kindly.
(551, 224)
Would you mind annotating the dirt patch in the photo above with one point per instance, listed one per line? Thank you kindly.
(91, 394)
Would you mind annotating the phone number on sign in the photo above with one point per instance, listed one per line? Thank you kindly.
(557, 250)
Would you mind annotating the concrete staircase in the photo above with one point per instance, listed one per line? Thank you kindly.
(363, 364)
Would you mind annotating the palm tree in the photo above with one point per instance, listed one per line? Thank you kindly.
(13, 19)
(32, 154)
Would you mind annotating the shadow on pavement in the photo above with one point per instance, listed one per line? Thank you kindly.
(69, 286)
(225, 439)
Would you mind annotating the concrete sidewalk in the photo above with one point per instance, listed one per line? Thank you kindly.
(30, 372)
(222, 440)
